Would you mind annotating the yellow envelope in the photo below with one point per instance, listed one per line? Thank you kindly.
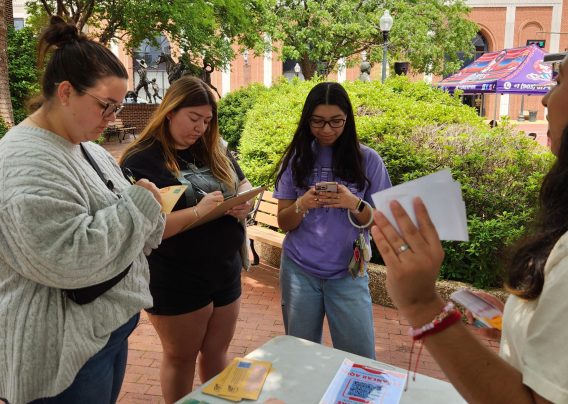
(170, 196)
(242, 379)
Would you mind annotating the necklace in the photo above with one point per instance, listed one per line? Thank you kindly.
(188, 165)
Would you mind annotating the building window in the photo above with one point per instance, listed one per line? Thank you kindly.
(18, 23)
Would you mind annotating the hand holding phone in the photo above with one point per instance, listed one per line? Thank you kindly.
(326, 186)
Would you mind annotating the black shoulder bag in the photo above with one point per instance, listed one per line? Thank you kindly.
(88, 294)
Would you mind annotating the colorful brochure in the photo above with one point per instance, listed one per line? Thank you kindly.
(359, 384)
(242, 379)
(486, 314)
(170, 196)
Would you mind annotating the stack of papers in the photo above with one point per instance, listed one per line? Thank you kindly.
(358, 384)
(242, 379)
(442, 197)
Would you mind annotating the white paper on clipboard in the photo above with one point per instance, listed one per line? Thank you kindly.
(220, 210)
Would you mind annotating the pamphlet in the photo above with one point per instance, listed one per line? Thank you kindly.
(242, 379)
(486, 314)
(359, 384)
(170, 196)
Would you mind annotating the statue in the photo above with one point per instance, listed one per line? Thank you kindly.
(184, 66)
(365, 68)
(142, 71)
(156, 90)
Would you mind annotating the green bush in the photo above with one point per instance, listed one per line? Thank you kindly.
(419, 130)
(3, 128)
(233, 109)
(22, 70)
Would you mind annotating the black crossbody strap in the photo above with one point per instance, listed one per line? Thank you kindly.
(94, 164)
(88, 294)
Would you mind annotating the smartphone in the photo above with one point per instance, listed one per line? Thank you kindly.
(326, 187)
(486, 315)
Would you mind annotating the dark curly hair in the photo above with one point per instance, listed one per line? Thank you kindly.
(525, 266)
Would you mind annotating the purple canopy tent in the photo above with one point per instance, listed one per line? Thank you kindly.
(510, 71)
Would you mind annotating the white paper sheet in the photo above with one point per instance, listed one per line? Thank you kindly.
(442, 197)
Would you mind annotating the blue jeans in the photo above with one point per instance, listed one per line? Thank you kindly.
(100, 379)
(346, 302)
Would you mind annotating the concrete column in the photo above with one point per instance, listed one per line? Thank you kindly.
(341, 71)
(226, 80)
(267, 71)
(509, 43)
(555, 26)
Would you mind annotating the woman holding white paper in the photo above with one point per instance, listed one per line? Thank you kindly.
(532, 366)
(195, 274)
(323, 269)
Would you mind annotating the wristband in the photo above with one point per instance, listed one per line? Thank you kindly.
(447, 317)
(299, 210)
(360, 206)
(363, 203)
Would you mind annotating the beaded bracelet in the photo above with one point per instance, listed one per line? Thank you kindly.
(448, 316)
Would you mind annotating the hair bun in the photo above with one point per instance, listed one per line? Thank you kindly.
(59, 32)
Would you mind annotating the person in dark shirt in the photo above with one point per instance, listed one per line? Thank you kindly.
(194, 274)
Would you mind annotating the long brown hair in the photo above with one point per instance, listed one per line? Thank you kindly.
(187, 91)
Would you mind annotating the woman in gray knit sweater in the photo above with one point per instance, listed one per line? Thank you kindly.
(64, 227)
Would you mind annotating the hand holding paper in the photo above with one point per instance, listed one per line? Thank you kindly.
(442, 197)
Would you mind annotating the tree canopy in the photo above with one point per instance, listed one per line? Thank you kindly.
(203, 29)
(430, 34)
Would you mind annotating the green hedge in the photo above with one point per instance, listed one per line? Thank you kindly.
(22, 69)
(419, 130)
(233, 109)
(3, 128)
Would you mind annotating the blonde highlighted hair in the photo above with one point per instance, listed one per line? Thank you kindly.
(187, 91)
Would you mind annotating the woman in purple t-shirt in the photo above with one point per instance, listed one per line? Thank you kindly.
(319, 245)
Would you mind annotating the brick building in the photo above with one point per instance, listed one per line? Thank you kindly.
(503, 24)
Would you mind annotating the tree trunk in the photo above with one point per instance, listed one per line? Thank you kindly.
(6, 112)
(308, 67)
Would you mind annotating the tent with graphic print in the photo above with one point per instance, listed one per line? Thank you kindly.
(510, 71)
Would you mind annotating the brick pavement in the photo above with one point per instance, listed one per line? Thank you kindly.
(259, 320)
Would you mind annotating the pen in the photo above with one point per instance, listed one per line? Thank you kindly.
(128, 175)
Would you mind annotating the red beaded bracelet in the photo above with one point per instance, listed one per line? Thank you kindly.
(447, 317)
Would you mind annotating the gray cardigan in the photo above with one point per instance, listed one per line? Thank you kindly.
(61, 228)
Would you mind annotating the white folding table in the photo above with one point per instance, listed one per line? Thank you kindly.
(302, 370)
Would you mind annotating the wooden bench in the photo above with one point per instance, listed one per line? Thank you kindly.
(117, 128)
(263, 223)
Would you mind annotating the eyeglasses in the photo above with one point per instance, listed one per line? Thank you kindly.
(108, 107)
(333, 123)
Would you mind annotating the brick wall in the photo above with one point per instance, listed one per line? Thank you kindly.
(137, 115)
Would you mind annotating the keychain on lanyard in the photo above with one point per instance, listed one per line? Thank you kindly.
(361, 250)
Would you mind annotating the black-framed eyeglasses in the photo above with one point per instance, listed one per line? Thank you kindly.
(333, 123)
(108, 107)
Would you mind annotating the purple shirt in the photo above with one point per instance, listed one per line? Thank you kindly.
(322, 244)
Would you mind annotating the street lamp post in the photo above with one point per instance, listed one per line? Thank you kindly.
(385, 23)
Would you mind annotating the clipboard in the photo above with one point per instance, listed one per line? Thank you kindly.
(220, 210)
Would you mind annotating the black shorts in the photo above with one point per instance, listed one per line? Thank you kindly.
(183, 292)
